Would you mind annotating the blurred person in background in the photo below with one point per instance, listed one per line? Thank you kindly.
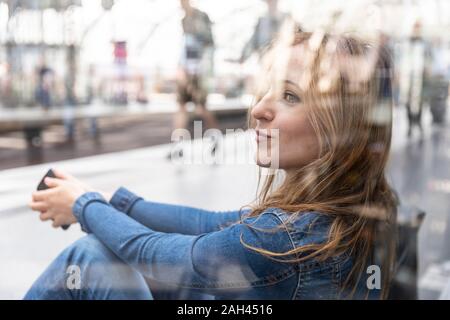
(415, 56)
(121, 70)
(438, 81)
(141, 93)
(265, 31)
(6, 86)
(45, 77)
(194, 68)
(331, 216)
(71, 99)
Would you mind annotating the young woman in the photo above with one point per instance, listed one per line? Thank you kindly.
(311, 236)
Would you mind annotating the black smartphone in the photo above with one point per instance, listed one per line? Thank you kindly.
(43, 186)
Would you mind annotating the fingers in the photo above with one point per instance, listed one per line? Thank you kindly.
(38, 206)
(43, 195)
(62, 174)
(53, 182)
(56, 224)
(45, 216)
(38, 196)
(57, 221)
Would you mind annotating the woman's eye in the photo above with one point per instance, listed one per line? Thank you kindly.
(290, 97)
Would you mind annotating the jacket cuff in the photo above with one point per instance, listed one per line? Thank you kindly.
(81, 204)
(123, 200)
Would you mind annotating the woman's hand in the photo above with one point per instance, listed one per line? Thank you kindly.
(56, 202)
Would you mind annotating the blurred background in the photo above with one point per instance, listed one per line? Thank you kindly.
(90, 86)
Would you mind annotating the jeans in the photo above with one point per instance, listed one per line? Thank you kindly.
(102, 276)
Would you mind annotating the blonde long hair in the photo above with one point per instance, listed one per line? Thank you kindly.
(347, 181)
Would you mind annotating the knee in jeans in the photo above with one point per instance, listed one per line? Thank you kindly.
(102, 271)
(89, 248)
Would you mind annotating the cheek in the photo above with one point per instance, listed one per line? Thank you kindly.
(299, 144)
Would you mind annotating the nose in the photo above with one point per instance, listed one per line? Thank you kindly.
(264, 110)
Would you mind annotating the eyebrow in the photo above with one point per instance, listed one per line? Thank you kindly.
(291, 83)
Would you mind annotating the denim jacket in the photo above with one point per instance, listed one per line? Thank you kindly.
(209, 252)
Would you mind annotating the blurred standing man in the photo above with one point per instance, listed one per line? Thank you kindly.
(438, 81)
(266, 30)
(414, 67)
(195, 65)
(44, 85)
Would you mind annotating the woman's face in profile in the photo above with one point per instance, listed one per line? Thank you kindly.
(285, 137)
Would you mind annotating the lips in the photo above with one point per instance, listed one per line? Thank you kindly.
(261, 135)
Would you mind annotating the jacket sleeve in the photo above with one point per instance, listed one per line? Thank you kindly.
(213, 262)
(172, 218)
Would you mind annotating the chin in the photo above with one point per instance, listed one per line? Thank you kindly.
(265, 162)
(262, 165)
